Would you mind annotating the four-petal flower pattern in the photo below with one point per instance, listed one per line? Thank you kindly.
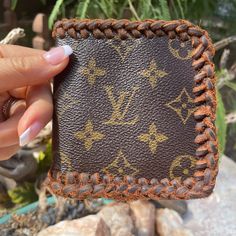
(89, 136)
(152, 73)
(183, 105)
(91, 71)
(152, 138)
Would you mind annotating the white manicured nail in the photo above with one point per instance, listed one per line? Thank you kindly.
(30, 133)
(68, 50)
(58, 54)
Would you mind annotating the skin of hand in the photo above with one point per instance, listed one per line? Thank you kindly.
(26, 74)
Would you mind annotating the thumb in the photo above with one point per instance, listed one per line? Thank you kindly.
(18, 71)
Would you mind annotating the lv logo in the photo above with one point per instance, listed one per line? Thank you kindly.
(121, 106)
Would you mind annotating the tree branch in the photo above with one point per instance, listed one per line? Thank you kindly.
(224, 42)
(13, 36)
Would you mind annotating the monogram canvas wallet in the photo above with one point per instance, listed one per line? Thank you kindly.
(134, 111)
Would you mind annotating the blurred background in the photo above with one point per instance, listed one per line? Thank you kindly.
(21, 177)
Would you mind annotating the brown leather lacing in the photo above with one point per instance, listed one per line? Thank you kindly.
(83, 185)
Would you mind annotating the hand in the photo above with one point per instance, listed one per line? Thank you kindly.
(26, 93)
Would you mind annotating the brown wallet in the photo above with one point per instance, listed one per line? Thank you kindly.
(134, 111)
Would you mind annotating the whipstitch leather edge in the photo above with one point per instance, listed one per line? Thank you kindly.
(201, 184)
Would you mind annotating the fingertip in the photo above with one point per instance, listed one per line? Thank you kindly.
(56, 55)
(30, 133)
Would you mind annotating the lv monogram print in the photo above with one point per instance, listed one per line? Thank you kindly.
(120, 106)
(70, 102)
(66, 161)
(152, 138)
(128, 110)
(120, 166)
(123, 48)
(183, 105)
(89, 136)
(182, 165)
(180, 49)
(152, 73)
(92, 72)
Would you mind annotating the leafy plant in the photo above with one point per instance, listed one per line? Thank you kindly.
(24, 194)
(231, 85)
(112, 9)
(13, 4)
(165, 13)
(82, 8)
(45, 159)
(55, 12)
(220, 122)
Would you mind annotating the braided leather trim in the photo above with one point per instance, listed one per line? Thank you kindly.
(201, 184)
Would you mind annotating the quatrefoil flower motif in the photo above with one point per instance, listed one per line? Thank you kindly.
(152, 138)
(88, 136)
(92, 71)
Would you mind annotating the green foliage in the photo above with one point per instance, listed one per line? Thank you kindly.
(44, 2)
(231, 85)
(13, 4)
(45, 159)
(82, 8)
(118, 9)
(55, 12)
(23, 194)
(180, 11)
(220, 123)
(146, 6)
(165, 13)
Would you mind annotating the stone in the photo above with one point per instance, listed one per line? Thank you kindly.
(169, 223)
(20, 167)
(117, 217)
(143, 214)
(178, 205)
(215, 215)
(91, 225)
(182, 232)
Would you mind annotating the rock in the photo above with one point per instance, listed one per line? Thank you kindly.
(182, 232)
(91, 225)
(20, 167)
(215, 215)
(143, 214)
(169, 223)
(117, 217)
(178, 205)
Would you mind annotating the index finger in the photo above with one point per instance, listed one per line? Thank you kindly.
(18, 51)
(18, 72)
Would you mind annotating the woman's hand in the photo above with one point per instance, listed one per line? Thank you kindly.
(25, 93)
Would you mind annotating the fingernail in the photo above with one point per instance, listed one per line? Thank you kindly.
(57, 55)
(30, 133)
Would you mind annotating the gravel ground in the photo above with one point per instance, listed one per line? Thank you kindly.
(31, 223)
